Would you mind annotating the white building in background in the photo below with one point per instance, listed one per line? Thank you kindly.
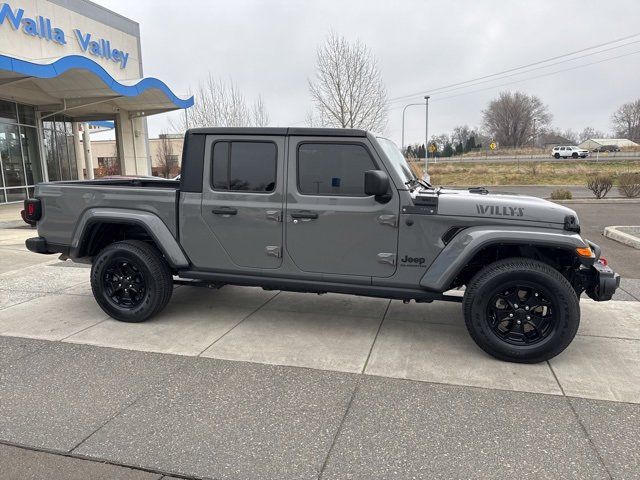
(594, 143)
(64, 64)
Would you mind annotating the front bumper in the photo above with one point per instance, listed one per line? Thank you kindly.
(602, 282)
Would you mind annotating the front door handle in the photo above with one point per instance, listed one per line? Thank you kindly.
(304, 215)
(225, 211)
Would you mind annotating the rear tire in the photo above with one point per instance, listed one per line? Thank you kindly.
(131, 281)
(557, 155)
(521, 310)
(574, 155)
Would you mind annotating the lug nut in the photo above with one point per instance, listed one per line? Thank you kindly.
(511, 315)
(518, 322)
(526, 308)
(515, 305)
(528, 317)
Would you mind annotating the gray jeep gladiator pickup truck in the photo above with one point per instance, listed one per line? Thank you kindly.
(327, 210)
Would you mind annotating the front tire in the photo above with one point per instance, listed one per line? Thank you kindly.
(557, 155)
(574, 155)
(131, 281)
(521, 310)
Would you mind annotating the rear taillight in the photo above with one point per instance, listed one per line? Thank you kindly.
(604, 261)
(32, 210)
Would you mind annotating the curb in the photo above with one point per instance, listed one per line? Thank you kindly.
(614, 233)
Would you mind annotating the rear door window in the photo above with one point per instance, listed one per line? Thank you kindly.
(244, 166)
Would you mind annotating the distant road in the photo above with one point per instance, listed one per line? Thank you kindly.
(544, 191)
(617, 156)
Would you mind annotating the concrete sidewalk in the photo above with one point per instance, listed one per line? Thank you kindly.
(241, 383)
(208, 418)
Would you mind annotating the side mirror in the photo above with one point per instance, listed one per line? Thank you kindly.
(376, 182)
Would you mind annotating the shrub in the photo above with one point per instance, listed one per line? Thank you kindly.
(629, 184)
(561, 194)
(599, 185)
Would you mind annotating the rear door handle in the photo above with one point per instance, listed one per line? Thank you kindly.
(304, 215)
(225, 211)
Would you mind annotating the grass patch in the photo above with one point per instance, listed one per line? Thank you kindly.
(524, 173)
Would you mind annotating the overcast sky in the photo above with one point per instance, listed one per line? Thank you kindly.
(268, 47)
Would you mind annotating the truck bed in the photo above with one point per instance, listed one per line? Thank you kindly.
(64, 203)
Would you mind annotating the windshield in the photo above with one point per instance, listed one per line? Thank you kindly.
(398, 161)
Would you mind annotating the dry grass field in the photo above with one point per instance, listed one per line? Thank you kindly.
(523, 173)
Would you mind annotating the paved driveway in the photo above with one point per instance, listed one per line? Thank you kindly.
(244, 383)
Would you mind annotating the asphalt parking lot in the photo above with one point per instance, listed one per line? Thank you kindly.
(242, 383)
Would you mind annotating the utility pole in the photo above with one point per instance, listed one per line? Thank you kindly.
(426, 177)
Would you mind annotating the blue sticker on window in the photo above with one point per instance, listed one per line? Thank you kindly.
(335, 182)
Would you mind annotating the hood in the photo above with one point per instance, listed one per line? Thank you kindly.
(506, 206)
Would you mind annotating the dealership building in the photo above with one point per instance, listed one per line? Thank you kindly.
(66, 65)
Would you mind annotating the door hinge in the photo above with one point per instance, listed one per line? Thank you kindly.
(274, 251)
(275, 215)
(388, 258)
(391, 220)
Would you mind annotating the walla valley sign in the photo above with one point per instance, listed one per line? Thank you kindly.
(42, 28)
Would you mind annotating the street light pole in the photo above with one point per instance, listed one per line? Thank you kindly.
(403, 112)
(425, 175)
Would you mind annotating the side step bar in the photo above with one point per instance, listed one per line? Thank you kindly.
(306, 286)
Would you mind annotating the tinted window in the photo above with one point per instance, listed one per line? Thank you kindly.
(332, 169)
(244, 166)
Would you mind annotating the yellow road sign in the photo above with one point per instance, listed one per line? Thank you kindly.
(432, 148)
(493, 145)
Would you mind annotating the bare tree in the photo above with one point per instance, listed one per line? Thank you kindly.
(347, 90)
(509, 119)
(220, 103)
(626, 120)
(589, 133)
(167, 160)
(571, 135)
(259, 114)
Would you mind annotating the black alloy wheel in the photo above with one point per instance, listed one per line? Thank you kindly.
(521, 314)
(123, 283)
(521, 310)
(131, 280)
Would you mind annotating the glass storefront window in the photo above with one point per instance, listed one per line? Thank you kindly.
(20, 162)
(31, 155)
(59, 149)
(26, 115)
(8, 112)
(16, 194)
(11, 156)
(53, 166)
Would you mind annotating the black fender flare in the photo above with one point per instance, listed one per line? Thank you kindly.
(464, 246)
(153, 225)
